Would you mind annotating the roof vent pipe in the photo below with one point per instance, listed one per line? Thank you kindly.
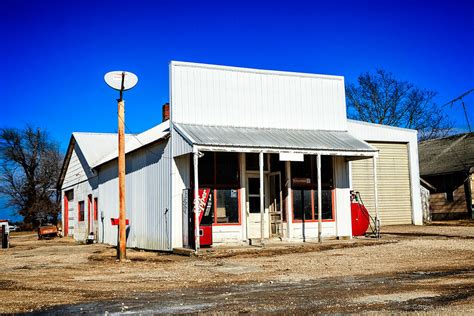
(166, 111)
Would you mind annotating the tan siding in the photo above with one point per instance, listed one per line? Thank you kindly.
(472, 188)
(393, 183)
(440, 205)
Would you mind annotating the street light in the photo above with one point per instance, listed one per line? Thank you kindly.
(121, 81)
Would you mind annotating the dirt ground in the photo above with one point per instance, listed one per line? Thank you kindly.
(425, 269)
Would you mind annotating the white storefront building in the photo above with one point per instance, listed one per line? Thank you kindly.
(267, 151)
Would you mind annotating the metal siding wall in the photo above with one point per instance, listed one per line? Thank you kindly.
(82, 182)
(181, 181)
(393, 183)
(227, 96)
(180, 145)
(147, 198)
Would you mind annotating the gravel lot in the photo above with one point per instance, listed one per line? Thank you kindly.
(411, 269)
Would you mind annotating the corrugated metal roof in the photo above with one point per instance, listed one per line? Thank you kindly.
(94, 146)
(273, 138)
(133, 142)
(447, 155)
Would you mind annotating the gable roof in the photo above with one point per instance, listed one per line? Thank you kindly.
(135, 142)
(93, 146)
(99, 148)
(446, 155)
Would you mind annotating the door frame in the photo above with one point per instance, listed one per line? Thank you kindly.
(66, 215)
(89, 212)
(255, 175)
(280, 194)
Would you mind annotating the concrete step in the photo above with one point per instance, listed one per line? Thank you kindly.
(183, 252)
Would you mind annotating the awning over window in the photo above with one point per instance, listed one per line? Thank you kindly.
(274, 140)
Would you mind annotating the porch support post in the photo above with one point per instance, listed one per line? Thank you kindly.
(289, 200)
(196, 199)
(243, 196)
(376, 196)
(320, 210)
(262, 206)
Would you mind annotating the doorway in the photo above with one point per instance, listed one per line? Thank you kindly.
(276, 207)
(273, 207)
(253, 206)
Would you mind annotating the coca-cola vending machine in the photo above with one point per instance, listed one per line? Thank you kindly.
(205, 216)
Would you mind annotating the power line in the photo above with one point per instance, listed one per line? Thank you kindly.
(162, 155)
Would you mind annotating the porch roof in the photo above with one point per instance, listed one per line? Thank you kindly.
(274, 139)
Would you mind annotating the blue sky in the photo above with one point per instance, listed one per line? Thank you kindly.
(55, 53)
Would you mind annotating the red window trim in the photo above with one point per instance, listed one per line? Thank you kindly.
(66, 215)
(96, 208)
(89, 210)
(215, 223)
(79, 219)
(293, 220)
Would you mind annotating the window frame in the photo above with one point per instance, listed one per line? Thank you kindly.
(313, 208)
(79, 218)
(96, 208)
(215, 186)
(214, 195)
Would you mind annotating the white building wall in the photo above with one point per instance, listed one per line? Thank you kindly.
(181, 180)
(226, 234)
(82, 180)
(311, 230)
(180, 145)
(342, 198)
(148, 188)
(230, 96)
(381, 133)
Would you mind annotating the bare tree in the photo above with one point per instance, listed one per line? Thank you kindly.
(380, 98)
(30, 164)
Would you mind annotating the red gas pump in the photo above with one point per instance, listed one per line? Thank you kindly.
(360, 215)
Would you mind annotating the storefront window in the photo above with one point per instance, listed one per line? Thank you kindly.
(219, 172)
(227, 169)
(227, 206)
(206, 169)
(326, 197)
(302, 201)
(305, 189)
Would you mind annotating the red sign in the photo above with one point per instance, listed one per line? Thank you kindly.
(203, 199)
(115, 221)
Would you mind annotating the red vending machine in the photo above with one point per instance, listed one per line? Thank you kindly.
(205, 217)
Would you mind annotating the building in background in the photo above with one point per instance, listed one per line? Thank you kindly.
(446, 166)
(231, 130)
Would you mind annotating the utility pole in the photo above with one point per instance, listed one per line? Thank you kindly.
(122, 255)
(121, 80)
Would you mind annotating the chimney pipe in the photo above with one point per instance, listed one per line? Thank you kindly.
(166, 111)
